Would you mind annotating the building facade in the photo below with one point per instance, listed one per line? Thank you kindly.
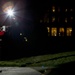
(59, 21)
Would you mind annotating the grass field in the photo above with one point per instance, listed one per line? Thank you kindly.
(42, 60)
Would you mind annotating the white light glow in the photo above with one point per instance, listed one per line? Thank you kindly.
(10, 12)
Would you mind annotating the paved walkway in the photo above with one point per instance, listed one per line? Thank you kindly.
(18, 71)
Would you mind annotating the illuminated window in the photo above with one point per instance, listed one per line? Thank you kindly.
(53, 19)
(61, 31)
(65, 10)
(54, 31)
(48, 29)
(69, 31)
(53, 9)
(66, 20)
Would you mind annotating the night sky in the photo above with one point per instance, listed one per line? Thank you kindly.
(28, 14)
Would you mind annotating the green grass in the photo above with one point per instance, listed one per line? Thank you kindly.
(42, 60)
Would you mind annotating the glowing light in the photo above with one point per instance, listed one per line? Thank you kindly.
(10, 12)
(53, 9)
(48, 28)
(66, 10)
(53, 19)
(54, 31)
(0, 39)
(70, 30)
(20, 34)
(25, 39)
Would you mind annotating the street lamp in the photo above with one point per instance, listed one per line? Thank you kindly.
(10, 12)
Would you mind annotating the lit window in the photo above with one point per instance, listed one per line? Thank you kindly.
(54, 31)
(0, 39)
(61, 31)
(48, 29)
(20, 34)
(65, 10)
(53, 9)
(69, 31)
(66, 20)
(53, 19)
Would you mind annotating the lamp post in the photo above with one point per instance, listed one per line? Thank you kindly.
(8, 10)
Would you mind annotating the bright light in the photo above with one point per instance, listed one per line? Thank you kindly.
(10, 12)
(0, 39)
(20, 34)
(25, 39)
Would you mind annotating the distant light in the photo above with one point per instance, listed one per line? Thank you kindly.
(0, 39)
(71, 9)
(53, 9)
(53, 19)
(55, 34)
(66, 10)
(25, 39)
(10, 12)
(4, 28)
(70, 30)
(48, 28)
(20, 34)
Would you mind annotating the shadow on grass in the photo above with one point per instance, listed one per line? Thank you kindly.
(64, 69)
